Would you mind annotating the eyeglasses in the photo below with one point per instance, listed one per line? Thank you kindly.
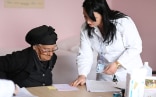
(47, 50)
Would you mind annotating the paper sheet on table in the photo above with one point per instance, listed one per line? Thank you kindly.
(23, 92)
(101, 86)
(65, 87)
(121, 85)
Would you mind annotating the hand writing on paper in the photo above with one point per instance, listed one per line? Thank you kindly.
(81, 80)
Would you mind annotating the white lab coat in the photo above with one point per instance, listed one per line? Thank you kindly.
(125, 49)
(7, 88)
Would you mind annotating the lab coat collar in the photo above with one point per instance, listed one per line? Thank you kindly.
(97, 32)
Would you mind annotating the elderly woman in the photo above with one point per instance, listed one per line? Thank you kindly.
(32, 66)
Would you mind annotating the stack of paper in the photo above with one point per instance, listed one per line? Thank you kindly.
(102, 86)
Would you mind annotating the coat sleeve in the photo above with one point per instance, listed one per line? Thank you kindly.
(131, 40)
(12, 64)
(85, 55)
(6, 65)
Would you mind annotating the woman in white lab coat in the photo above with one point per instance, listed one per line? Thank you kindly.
(114, 36)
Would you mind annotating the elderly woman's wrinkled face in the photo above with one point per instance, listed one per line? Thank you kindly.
(92, 23)
(45, 52)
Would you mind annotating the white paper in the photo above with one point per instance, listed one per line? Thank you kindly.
(101, 86)
(150, 93)
(65, 87)
(121, 85)
(23, 92)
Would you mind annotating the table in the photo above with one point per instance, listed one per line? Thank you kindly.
(43, 91)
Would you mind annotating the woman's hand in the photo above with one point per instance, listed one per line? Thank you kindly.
(81, 80)
(111, 68)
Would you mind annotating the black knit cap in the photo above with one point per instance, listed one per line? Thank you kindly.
(41, 35)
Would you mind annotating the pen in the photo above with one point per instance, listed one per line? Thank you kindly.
(16, 90)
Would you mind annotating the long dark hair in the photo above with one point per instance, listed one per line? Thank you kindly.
(108, 17)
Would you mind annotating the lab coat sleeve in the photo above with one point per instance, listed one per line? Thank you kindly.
(131, 40)
(85, 56)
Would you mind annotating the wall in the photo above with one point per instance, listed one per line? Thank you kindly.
(144, 14)
(64, 15)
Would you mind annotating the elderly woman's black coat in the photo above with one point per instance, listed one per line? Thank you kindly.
(24, 68)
